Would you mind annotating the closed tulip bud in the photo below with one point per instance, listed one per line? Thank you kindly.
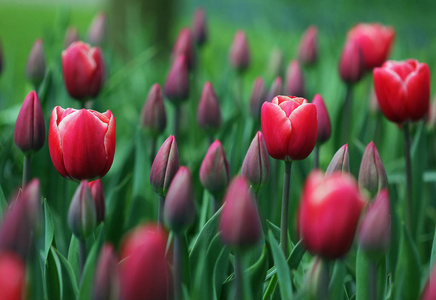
(153, 115)
(372, 174)
(295, 79)
(324, 125)
(351, 64)
(276, 63)
(240, 226)
(199, 28)
(97, 30)
(81, 142)
(308, 48)
(258, 96)
(275, 89)
(209, 111)
(35, 68)
(179, 209)
(82, 67)
(239, 52)
(177, 82)
(165, 166)
(29, 132)
(185, 46)
(214, 170)
(326, 230)
(98, 197)
(144, 271)
(256, 163)
(375, 228)
(12, 277)
(289, 126)
(340, 161)
(106, 278)
(71, 35)
(82, 217)
(313, 280)
(429, 292)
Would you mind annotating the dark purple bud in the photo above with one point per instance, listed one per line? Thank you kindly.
(276, 63)
(97, 30)
(308, 48)
(185, 46)
(340, 161)
(258, 96)
(372, 174)
(295, 79)
(153, 115)
(209, 111)
(324, 125)
(71, 35)
(214, 170)
(177, 82)
(275, 90)
(98, 196)
(239, 52)
(106, 278)
(199, 27)
(35, 68)
(351, 64)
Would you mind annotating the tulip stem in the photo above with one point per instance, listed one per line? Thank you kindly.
(372, 280)
(238, 277)
(177, 260)
(407, 144)
(216, 204)
(324, 280)
(316, 157)
(345, 128)
(177, 115)
(82, 256)
(285, 208)
(153, 150)
(160, 210)
(27, 164)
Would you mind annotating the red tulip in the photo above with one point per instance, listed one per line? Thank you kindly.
(35, 68)
(403, 90)
(153, 115)
(199, 28)
(97, 30)
(351, 65)
(308, 48)
(239, 52)
(209, 111)
(184, 45)
(177, 82)
(82, 67)
(289, 126)
(324, 125)
(294, 83)
(329, 212)
(12, 277)
(81, 142)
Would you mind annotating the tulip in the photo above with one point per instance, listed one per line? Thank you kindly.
(351, 64)
(324, 125)
(429, 292)
(326, 230)
(98, 197)
(294, 83)
(153, 115)
(12, 277)
(308, 48)
(35, 68)
(258, 96)
(276, 63)
(106, 278)
(71, 35)
(239, 53)
(199, 28)
(340, 161)
(275, 89)
(82, 68)
(177, 82)
(97, 30)
(209, 111)
(81, 142)
(185, 46)
(372, 174)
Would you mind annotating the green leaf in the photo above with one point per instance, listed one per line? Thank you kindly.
(49, 229)
(336, 287)
(217, 253)
(362, 285)
(274, 229)
(53, 277)
(69, 281)
(257, 274)
(73, 255)
(297, 254)
(270, 288)
(3, 203)
(433, 251)
(283, 272)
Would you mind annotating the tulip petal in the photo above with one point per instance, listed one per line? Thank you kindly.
(55, 142)
(109, 143)
(303, 136)
(418, 88)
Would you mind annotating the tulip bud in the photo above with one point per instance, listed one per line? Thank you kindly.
(313, 280)
(97, 30)
(81, 215)
(98, 197)
(12, 277)
(375, 228)
(295, 79)
(209, 111)
(29, 132)
(308, 48)
(351, 65)
(199, 28)
(153, 115)
(429, 292)
(106, 278)
(256, 163)
(239, 53)
(35, 68)
(275, 90)
(71, 36)
(340, 161)
(258, 96)
(179, 210)
(185, 46)
(324, 125)
(177, 82)
(372, 174)
(165, 166)
(240, 226)
(214, 170)
(276, 64)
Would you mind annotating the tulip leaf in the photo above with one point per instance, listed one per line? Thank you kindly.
(69, 282)
(297, 254)
(270, 287)
(73, 254)
(283, 272)
(53, 277)
(49, 229)
(257, 274)
(336, 286)
(433, 251)
(3, 203)
(274, 229)
(362, 285)
(218, 260)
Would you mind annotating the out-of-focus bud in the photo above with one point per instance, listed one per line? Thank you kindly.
(324, 125)
(29, 132)
(185, 46)
(256, 163)
(97, 30)
(276, 64)
(214, 170)
(177, 82)
(165, 166)
(199, 28)
(179, 210)
(313, 280)
(35, 68)
(209, 111)
(71, 35)
(12, 277)
(81, 215)
(375, 227)
(351, 64)
(239, 52)
(429, 292)
(275, 89)
(340, 161)
(106, 278)
(372, 174)
(240, 223)
(144, 271)
(258, 96)
(308, 48)
(98, 197)
(295, 79)
(153, 115)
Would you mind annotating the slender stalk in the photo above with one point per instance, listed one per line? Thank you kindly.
(160, 210)
(407, 144)
(82, 256)
(239, 292)
(27, 165)
(177, 260)
(324, 280)
(345, 130)
(285, 208)
(316, 157)
(239, 90)
(153, 149)
(177, 115)
(216, 204)
(372, 280)
(211, 139)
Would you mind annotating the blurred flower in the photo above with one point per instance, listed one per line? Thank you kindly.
(289, 126)
(12, 277)
(71, 35)
(209, 111)
(153, 115)
(313, 281)
(214, 170)
(29, 132)
(199, 28)
(106, 279)
(97, 30)
(177, 82)
(294, 79)
(351, 64)
(82, 67)
(81, 142)
(429, 292)
(324, 125)
(258, 96)
(372, 174)
(308, 48)
(276, 64)
(403, 90)
(329, 212)
(340, 161)
(98, 197)
(35, 68)
(275, 89)
(239, 52)
(184, 45)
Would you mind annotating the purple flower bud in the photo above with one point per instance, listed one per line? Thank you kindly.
(240, 223)
(153, 115)
(340, 161)
(275, 89)
(258, 96)
(375, 227)
(71, 35)
(214, 170)
(372, 174)
(209, 111)
(35, 68)
(295, 79)
(239, 53)
(199, 27)
(179, 210)
(308, 48)
(256, 163)
(313, 281)
(351, 65)
(185, 46)
(324, 125)
(276, 63)
(97, 30)
(98, 197)
(106, 278)
(29, 132)
(165, 166)
(82, 217)
(177, 82)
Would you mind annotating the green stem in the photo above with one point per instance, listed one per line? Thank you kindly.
(239, 292)
(239, 90)
(407, 144)
(372, 280)
(160, 211)
(177, 260)
(216, 204)
(82, 256)
(153, 150)
(316, 157)
(177, 115)
(324, 280)
(27, 165)
(285, 208)
(347, 115)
